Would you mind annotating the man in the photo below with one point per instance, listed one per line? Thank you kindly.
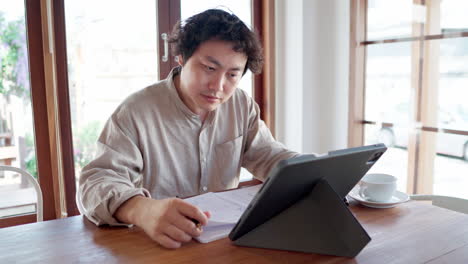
(186, 135)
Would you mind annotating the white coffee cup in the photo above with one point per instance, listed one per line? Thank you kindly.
(377, 187)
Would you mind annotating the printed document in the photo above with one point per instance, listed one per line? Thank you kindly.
(225, 207)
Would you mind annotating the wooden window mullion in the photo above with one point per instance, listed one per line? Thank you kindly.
(42, 131)
(357, 73)
(66, 139)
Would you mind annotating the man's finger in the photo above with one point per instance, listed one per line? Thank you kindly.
(167, 242)
(188, 225)
(177, 234)
(192, 212)
(207, 213)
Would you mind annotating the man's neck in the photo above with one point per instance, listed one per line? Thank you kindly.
(201, 113)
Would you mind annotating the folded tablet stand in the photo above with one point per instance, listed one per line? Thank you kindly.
(318, 223)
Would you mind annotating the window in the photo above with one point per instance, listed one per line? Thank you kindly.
(49, 100)
(17, 140)
(408, 89)
(40, 96)
(109, 58)
(61, 64)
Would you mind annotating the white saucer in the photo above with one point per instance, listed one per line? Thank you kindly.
(398, 197)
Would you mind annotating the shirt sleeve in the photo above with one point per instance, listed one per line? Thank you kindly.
(262, 151)
(114, 176)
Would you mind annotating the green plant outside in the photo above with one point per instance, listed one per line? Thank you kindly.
(30, 160)
(13, 77)
(14, 81)
(84, 143)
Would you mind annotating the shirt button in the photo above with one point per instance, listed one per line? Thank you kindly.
(205, 188)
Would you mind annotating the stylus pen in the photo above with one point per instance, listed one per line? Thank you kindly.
(197, 224)
(346, 201)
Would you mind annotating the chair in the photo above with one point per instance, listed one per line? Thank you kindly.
(451, 203)
(31, 179)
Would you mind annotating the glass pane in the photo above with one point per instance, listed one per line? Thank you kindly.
(112, 52)
(391, 19)
(453, 16)
(394, 19)
(388, 83)
(452, 80)
(451, 171)
(395, 160)
(17, 146)
(243, 10)
(450, 89)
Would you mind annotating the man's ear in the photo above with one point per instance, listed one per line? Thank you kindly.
(180, 61)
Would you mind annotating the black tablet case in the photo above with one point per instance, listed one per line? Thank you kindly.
(300, 207)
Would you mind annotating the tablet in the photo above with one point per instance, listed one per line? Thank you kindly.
(294, 178)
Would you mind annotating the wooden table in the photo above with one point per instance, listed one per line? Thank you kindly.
(413, 232)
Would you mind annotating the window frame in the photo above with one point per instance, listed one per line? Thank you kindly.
(43, 109)
(45, 21)
(419, 156)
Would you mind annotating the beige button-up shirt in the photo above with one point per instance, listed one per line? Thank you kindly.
(153, 145)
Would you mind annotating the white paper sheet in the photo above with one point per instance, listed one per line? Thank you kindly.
(225, 207)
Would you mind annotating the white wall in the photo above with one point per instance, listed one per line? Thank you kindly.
(312, 74)
(289, 73)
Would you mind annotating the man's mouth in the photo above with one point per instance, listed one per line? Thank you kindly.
(210, 98)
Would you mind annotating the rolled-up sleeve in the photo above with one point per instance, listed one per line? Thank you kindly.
(114, 175)
(262, 151)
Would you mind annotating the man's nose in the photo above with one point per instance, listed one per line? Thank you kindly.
(217, 83)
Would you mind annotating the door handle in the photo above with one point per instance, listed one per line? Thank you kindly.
(165, 56)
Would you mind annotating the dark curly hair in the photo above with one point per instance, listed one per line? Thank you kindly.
(220, 25)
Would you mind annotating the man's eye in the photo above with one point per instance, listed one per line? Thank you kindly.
(209, 68)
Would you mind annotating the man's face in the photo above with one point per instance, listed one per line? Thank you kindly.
(210, 76)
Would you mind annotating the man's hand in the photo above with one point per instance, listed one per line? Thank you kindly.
(170, 222)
